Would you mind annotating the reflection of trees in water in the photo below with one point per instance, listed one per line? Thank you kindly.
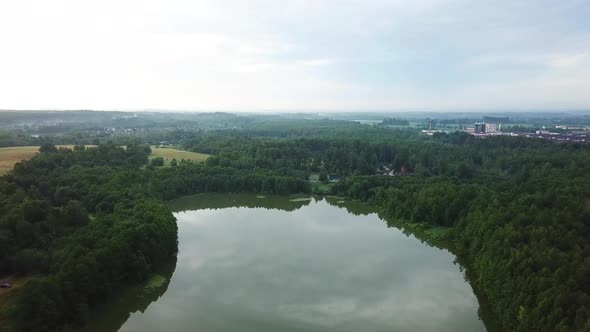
(222, 201)
(356, 208)
(138, 298)
(421, 232)
(131, 299)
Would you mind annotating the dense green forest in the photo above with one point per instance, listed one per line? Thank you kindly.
(67, 217)
(91, 219)
(395, 122)
(517, 210)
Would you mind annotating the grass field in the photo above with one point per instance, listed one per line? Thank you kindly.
(12, 155)
(170, 153)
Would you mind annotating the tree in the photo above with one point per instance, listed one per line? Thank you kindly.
(35, 210)
(63, 195)
(47, 148)
(40, 306)
(31, 261)
(158, 161)
(74, 214)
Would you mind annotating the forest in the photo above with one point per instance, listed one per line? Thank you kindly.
(517, 210)
(90, 220)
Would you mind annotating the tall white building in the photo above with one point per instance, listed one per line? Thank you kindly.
(491, 127)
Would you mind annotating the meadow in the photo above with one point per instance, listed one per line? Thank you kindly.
(170, 153)
(11, 155)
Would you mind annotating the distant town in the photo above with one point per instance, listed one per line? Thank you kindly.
(560, 133)
(91, 127)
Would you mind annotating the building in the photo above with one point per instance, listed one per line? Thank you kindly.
(491, 128)
(480, 128)
(571, 127)
(432, 132)
(486, 128)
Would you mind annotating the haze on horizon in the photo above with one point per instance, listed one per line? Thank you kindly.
(295, 55)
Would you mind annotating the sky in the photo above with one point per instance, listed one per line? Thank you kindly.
(299, 55)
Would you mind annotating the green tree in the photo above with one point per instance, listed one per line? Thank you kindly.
(158, 161)
(40, 306)
(74, 214)
(47, 148)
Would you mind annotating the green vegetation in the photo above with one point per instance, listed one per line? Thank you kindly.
(156, 281)
(516, 210)
(12, 155)
(9, 156)
(169, 154)
(45, 227)
(395, 122)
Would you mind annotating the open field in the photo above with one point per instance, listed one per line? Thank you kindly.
(11, 155)
(170, 153)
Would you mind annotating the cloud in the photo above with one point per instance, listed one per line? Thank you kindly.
(293, 55)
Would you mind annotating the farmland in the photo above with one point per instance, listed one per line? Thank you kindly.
(170, 153)
(11, 155)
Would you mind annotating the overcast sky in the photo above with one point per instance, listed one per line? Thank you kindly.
(295, 55)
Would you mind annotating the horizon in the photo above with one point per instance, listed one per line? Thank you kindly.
(335, 115)
(270, 112)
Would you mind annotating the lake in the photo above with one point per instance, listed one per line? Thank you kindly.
(249, 263)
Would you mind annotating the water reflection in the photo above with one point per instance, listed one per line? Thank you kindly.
(222, 201)
(317, 268)
(354, 207)
(112, 315)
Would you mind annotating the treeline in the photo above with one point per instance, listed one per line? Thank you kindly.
(88, 220)
(520, 217)
(189, 178)
(54, 224)
(308, 155)
(518, 209)
(395, 122)
(458, 154)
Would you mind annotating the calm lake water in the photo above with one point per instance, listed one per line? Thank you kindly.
(270, 264)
